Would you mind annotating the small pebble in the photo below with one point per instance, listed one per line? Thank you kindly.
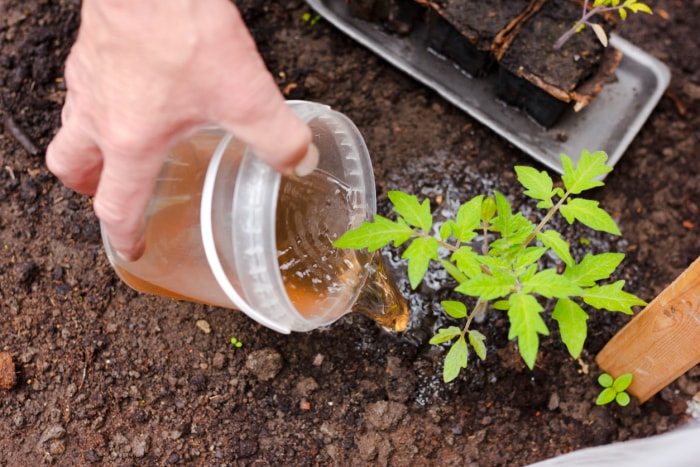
(8, 375)
(204, 326)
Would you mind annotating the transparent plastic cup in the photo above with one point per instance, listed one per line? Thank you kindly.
(224, 228)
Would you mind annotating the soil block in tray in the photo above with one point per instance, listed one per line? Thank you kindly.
(545, 82)
(467, 31)
(396, 16)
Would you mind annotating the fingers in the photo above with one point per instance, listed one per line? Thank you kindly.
(126, 185)
(74, 157)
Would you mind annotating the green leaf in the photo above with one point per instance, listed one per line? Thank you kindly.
(467, 261)
(529, 256)
(622, 382)
(588, 213)
(453, 271)
(445, 334)
(552, 239)
(622, 399)
(455, 360)
(494, 263)
(419, 253)
(605, 380)
(487, 287)
(415, 213)
(550, 284)
(583, 177)
(638, 6)
(526, 324)
(538, 185)
(611, 297)
(488, 210)
(454, 309)
(502, 305)
(374, 235)
(468, 218)
(446, 229)
(606, 396)
(593, 268)
(504, 213)
(476, 339)
(572, 325)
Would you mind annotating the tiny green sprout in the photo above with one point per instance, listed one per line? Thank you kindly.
(601, 6)
(236, 343)
(614, 389)
(309, 18)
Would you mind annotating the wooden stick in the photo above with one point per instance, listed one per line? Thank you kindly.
(660, 343)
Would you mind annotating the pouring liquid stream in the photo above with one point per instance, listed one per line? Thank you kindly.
(319, 278)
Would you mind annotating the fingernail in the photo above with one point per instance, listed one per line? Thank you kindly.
(134, 253)
(309, 163)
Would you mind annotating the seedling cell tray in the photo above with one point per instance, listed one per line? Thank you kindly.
(610, 123)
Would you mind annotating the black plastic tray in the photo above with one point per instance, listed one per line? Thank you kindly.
(609, 124)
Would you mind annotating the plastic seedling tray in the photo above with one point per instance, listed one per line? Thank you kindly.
(609, 124)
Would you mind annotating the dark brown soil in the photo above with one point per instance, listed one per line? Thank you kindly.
(112, 377)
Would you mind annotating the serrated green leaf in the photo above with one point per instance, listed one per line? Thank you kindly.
(413, 212)
(504, 212)
(374, 235)
(622, 382)
(611, 297)
(493, 263)
(500, 305)
(467, 261)
(526, 324)
(588, 213)
(529, 273)
(538, 185)
(552, 239)
(468, 219)
(529, 255)
(593, 268)
(445, 334)
(638, 6)
(446, 229)
(622, 399)
(453, 271)
(590, 166)
(476, 339)
(455, 360)
(454, 309)
(605, 380)
(606, 396)
(573, 325)
(487, 287)
(550, 284)
(419, 254)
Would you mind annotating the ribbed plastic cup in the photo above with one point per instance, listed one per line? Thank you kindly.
(214, 221)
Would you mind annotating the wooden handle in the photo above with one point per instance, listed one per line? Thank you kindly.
(662, 342)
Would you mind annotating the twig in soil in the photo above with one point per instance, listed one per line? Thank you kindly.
(18, 133)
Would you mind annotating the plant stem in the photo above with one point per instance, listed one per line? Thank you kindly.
(553, 210)
(582, 22)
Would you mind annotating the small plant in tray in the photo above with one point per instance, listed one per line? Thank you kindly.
(496, 256)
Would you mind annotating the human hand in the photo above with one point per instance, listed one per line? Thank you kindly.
(140, 76)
